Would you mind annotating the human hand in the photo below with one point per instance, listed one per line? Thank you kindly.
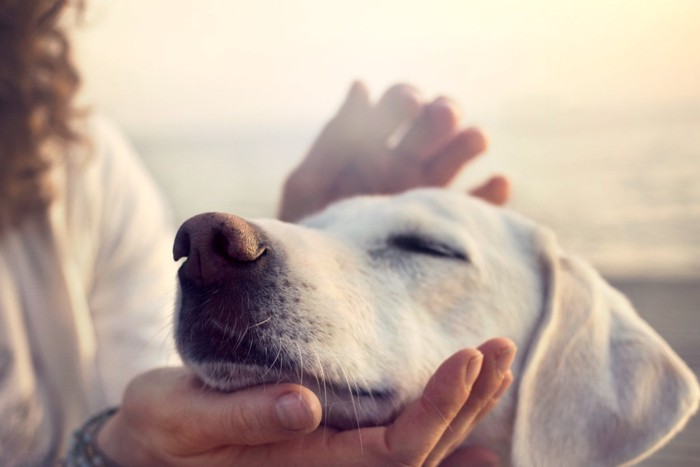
(168, 418)
(354, 153)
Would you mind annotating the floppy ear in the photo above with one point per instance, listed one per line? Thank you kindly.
(600, 387)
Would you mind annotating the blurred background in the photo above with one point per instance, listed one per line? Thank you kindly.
(592, 108)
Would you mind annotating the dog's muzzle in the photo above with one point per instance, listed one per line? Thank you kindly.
(227, 282)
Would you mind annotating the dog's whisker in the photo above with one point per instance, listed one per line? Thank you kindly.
(320, 377)
(280, 344)
(261, 322)
(301, 364)
(250, 346)
(316, 369)
(366, 384)
(243, 334)
(223, 336)
(271, 365)
(352, 399)
(164, 336)
(322, 374)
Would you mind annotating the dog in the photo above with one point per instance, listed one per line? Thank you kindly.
(363, 301)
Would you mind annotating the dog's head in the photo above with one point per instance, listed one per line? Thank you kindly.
(363, 301)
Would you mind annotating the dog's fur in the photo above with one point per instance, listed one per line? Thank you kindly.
(363, 301)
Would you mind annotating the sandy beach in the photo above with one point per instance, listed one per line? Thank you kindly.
(672, 307)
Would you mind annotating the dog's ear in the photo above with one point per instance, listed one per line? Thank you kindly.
(599, 386)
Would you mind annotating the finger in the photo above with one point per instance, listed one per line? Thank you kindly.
(472, 456)
(257, 415)
(495, 190)
(373, 160)
(356, 101)
(494, 379)
(498, 354)
(325, 161)
(400, 104)
(421, 425)
(505, 384)
(348, 125)
(435, 126)
(466, 145)
(304, 192)
(201, 418)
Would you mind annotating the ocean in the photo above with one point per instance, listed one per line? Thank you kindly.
(621, 189)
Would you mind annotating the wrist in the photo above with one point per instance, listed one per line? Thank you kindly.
(120, 444)
(83, 449)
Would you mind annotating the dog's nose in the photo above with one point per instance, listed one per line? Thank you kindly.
(214, 243)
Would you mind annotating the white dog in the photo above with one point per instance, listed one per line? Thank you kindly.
(363, 301)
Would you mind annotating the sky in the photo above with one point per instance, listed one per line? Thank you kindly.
(601, 95)
(180, 65)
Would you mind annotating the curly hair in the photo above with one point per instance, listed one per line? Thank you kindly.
(38, 82)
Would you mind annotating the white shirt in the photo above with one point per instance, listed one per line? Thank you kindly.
(86, 298)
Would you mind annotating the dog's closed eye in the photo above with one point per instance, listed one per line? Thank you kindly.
(419, 244)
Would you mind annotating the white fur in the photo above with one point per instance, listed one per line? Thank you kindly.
(594, 384)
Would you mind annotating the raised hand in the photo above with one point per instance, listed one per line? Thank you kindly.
(401, 142)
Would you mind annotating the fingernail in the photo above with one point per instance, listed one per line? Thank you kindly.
(504, 359)
(293, 412)
(473, 369)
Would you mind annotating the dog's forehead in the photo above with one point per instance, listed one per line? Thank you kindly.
(416, 210)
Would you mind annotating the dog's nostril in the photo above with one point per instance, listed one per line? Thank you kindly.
(238, 246)
(181, 247)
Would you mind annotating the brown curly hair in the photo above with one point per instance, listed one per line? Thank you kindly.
(38, 82)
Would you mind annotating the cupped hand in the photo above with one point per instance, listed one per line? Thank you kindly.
(169, 418)
(399, 143)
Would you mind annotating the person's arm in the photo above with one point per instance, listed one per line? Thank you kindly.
(398, 143)
(167, 418)
(133, 286)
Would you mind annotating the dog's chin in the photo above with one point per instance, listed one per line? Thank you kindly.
(229, 377)
(344, 407)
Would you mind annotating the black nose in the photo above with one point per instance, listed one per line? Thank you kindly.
(214, 244)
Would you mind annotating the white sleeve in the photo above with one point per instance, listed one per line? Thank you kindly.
(132, 293)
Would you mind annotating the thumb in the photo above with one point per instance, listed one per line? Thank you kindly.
(257, 415)
(204, 418)
(495, 190)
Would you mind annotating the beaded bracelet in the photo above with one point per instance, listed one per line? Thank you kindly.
(83, 450)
